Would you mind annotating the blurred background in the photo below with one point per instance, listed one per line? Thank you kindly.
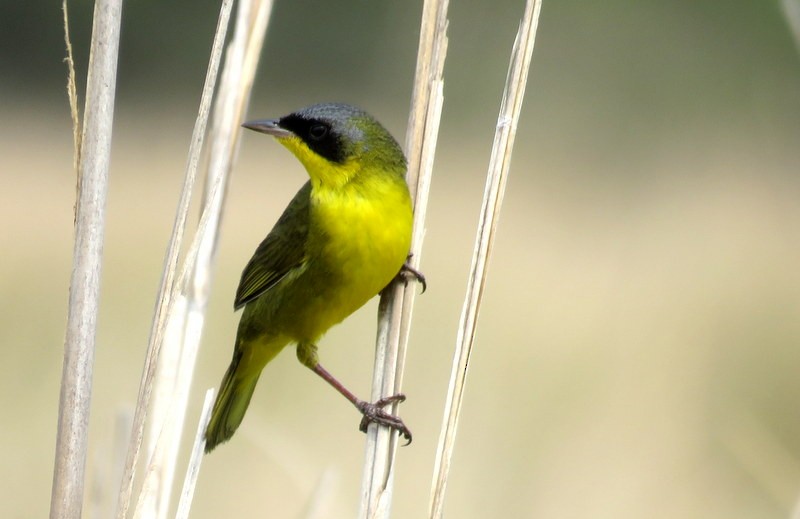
(637, 353)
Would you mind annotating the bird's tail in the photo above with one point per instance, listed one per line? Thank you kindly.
(232, 401)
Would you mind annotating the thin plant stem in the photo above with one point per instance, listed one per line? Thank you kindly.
(186, 321)
(168, 287)
(72, 93)
(791, 11)
(493, 199)
(395, 307)
(196, 458)
(66, 500)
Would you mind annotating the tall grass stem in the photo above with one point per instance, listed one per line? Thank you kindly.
(66, 500)
(195, 459)
(168, 288)
(492, 201)
(395, 308)
(187, 319)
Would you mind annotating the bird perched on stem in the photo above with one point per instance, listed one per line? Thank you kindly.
(343, 238)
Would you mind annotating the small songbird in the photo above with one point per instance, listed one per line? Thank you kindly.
(343, 238)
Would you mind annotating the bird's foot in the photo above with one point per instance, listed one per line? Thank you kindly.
(408, 273)
(374, 413)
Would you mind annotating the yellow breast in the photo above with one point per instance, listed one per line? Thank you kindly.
(365, 235)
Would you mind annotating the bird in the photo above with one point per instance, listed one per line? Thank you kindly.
(342, 239)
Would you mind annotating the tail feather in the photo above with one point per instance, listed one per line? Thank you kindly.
(229, 408)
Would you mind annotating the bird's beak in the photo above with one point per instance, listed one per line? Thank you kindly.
(268, 126)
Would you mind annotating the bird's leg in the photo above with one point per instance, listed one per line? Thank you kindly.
(372, 412)
(408, 273)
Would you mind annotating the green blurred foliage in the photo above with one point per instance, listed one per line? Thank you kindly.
(621, 73)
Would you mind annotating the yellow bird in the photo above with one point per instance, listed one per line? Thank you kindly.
(343, 238)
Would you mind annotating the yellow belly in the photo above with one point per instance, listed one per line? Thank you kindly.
(364, 242)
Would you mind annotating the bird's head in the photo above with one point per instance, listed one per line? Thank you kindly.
(335, 142)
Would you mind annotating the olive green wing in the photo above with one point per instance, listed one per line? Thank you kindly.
(281, 252)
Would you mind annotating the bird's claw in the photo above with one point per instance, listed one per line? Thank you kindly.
(408, 273)
(374, 413)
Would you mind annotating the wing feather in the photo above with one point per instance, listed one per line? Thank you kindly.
(281, 252)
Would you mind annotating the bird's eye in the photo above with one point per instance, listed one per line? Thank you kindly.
(318, 132)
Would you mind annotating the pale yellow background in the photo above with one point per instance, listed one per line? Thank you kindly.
(637, 354)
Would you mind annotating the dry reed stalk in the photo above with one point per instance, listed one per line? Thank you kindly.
(94, 150)
(196, 458)
(394, 311)
(186, 320)
(169, 286)
(72, 95)
(493, 199)
(791, 11)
